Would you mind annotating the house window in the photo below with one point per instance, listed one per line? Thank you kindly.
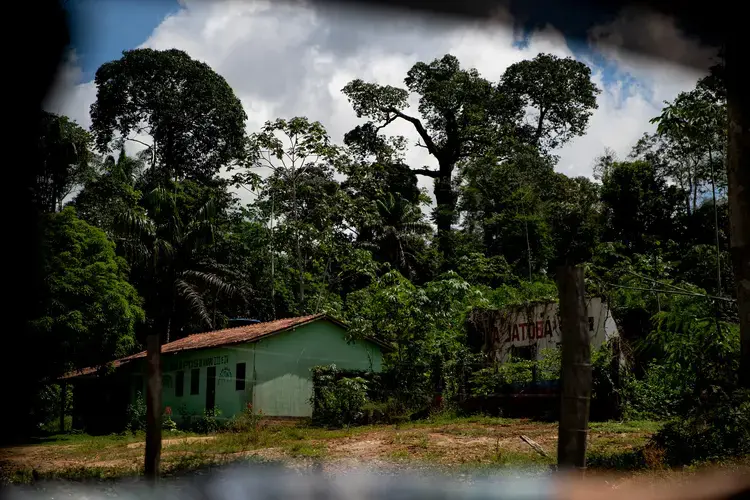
(195, 380)
(525, 352)
(239, 384)
(179, 384)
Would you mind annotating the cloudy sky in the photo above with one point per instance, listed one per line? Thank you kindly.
(292, 59)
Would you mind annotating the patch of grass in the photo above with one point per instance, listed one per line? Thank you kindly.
(422, 441)
(449, 419)
(621, 461)
(306, 450)
(399, 454)
(633, 426)
(411, 439)
(28, 475)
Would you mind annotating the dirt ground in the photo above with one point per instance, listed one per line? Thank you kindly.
(450, 447)
(447, 444)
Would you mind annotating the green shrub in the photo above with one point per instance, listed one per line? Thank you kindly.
(136, 415)
(337, 400)
(374, 413)
(46, 407)
(384, 412)
(503, 376)
(654, 396)
(248, 422)
(208, 422)
(710, 433)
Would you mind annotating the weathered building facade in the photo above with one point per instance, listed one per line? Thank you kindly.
(527, 331)
(266, 364)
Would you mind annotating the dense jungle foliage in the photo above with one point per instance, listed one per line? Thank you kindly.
(158, 241)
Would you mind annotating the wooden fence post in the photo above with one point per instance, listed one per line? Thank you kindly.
(738, 176)
(63, 401)
(576, 370)
(153, 407)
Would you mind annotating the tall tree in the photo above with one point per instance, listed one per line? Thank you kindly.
(192, 124)
(300, 157)
(573, 209)
(696, 123)
(464, 115)
(460, 114)
(639, 207)
(179, 108)
(560, 94)
(385, 211)
(504, 205)
(109, 191)
(90, 308)
(398, 233)
(64, 156)
(165, 237)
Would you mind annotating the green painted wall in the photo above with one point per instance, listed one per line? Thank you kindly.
(277, 376)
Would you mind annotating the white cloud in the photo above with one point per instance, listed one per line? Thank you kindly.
(285, 59)
(67, 96)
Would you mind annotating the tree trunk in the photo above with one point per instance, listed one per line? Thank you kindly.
(716, 223)
(576, 369)
(528, 247)
(738, 177)
(63, 400)
(695, 195)
(153, 406)
(445, 199)
(300, 267)
(273, 274)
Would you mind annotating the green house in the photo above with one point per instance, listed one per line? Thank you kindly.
(266, 364)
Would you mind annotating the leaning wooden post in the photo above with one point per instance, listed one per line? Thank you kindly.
(576, 370)
(738, 176)
(63, 400)
(153, 407)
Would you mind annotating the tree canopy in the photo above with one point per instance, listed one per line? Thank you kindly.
(192, 122)
(150, 247)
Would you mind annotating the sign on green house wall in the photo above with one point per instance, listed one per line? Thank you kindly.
(185, 364)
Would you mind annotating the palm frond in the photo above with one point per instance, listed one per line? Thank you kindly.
(133, 224)
(207, 212)
(210, 280)
(417, 227)
(161, 199)
(194, 300)
(163, 251)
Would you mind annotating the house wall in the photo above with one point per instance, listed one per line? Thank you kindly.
(538, 327)
(277, 371)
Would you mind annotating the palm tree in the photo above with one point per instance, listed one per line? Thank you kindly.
(400, 228)
(167, 254)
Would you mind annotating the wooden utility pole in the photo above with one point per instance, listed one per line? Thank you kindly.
(63, 401)
(576, 370)
(738, 176)
(153, 407)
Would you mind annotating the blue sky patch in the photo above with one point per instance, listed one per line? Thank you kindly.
(101, 29)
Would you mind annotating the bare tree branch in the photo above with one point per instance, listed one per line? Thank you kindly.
(427, 172)
(420, 129)
(386, 123)
(139, 141)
